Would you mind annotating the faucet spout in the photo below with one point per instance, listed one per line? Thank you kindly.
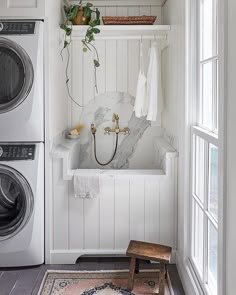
(116, 119)
(116, 129)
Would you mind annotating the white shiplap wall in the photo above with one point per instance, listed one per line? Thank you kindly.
(119, 61)
(128, 207)
(141, 207)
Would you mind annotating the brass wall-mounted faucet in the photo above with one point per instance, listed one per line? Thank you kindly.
(117, 128)
(108, 130)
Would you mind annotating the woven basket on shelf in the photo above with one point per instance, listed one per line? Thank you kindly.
(129, 20)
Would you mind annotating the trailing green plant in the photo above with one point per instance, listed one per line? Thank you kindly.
(93, 15)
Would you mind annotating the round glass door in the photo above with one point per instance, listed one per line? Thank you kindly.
(16, 75)
(16, 202)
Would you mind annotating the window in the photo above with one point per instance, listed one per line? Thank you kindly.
(204, 193)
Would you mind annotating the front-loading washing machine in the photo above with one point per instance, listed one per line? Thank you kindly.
(21, 204)
(21, 81)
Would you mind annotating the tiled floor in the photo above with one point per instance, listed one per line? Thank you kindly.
(26, 281)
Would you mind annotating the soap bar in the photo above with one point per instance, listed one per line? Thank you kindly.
(76, 130)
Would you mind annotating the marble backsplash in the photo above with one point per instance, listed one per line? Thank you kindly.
(135, 149)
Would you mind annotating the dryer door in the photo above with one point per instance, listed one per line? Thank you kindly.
(16, 75)
(16, 202)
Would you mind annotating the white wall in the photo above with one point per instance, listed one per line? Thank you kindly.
(173, 61)
(119, 62)
(56, 97)
(55, 103)
(132, 204)
(230, 212)
(174, 85)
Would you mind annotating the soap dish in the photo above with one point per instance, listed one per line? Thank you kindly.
(73, 137)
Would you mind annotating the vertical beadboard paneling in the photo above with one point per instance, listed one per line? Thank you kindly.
(122, 65)
(144, 10)
(76, 80)
(122, 212)
(122, 11)
(101, 71)
(128, 207)
(60, 207)
(137, 221)
(107, 208)
(133, 10)
(156, 10)
(152, 210)
(119, 67)
(146, 47)
(111, 65)
(111, 11)
(122, 57)
(91, 223)
(133, 66)
(102, 10)
(76, 220)
(88, 76)
(133, 58)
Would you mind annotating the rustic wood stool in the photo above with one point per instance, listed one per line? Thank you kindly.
(148, 251)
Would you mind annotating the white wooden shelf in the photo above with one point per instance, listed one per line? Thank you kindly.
(124, 31)
(125, 2)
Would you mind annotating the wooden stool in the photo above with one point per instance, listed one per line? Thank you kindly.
(148, 251)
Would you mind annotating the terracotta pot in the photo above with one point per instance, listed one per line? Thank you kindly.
(80, 19)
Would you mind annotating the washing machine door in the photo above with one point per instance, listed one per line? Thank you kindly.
(16, 202)
(16, 75)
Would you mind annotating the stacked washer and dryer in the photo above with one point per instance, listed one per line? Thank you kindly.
(21, 143)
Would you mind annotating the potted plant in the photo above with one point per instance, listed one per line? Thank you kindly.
(82, 14)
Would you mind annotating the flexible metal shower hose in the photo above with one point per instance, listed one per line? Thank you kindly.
(95, 152)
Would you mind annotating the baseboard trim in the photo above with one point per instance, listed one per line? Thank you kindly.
(70, 256)
(187, 277)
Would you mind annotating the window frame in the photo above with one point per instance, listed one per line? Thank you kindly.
(192, 96)
(209, 138)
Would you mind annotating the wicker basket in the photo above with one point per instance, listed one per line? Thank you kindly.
(129, 20)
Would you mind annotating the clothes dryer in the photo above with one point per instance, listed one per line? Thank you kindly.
(21, 204)
(21, 81)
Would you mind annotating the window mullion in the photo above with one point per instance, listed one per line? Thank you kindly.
(212, 58)
(214, 110)
(200, 95)
(205, 239)
(206, 135)
(214, 94)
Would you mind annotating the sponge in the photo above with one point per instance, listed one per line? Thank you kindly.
(76, 130)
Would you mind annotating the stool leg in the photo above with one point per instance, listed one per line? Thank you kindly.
(162, 279)
(131, 274)
(137, 266)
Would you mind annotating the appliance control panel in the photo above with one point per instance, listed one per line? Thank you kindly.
(16, 152)
(16, 28)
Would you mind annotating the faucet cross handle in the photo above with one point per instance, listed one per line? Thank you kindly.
(115, 117)
(107, 130)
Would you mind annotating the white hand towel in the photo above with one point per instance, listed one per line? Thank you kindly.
(154, 102)
(86, 183)
(140, 95)
(141, 88)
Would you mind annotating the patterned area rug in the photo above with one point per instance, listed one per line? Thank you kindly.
(99, 283)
